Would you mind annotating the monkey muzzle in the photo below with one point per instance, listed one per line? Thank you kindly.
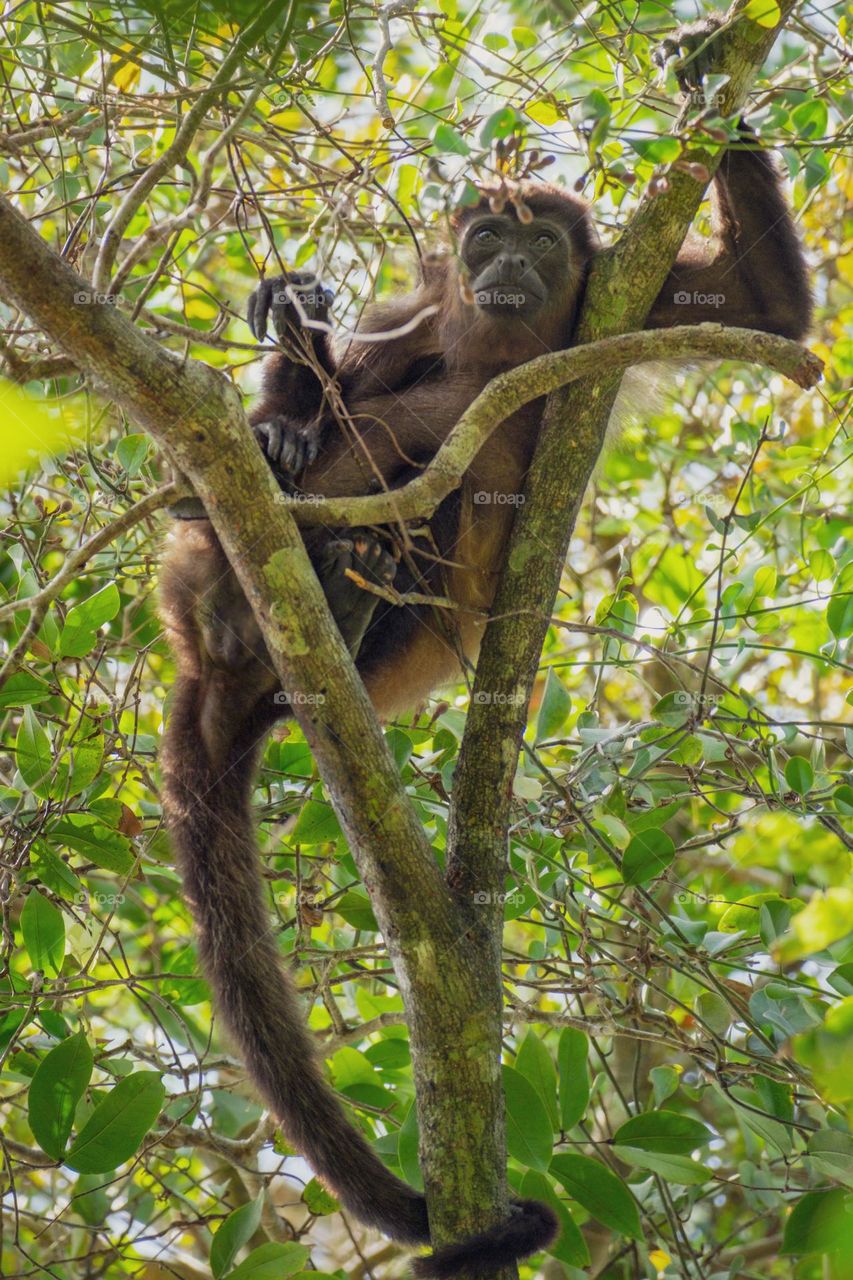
(519, 294)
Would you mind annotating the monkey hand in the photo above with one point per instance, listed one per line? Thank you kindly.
(691, 51)
(289, 445)
(289, 301)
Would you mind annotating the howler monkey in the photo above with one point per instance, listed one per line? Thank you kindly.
(350, 422)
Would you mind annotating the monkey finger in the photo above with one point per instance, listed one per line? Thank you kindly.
(250, 315)
(263, 298)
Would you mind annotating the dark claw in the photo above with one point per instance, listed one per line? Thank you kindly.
(289, 446)
(272, 299)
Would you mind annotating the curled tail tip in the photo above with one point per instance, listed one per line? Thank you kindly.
(531, 1226)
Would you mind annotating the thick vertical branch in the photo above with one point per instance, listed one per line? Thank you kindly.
(622, 289)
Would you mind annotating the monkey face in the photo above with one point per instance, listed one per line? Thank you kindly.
(515, 268)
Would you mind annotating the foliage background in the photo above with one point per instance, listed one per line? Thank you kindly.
(693, 710)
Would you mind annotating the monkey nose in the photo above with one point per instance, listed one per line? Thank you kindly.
(511, 266)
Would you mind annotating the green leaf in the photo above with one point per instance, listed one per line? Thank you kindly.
(33, 752)
(536, 1065)
(674, 1168)
(657, 150)
(524, 37)
(318, 1200)
(572, 1056)
(820, 1222)
(554, 709)
(500, 124)
(599, 1191)
(665, 1082)
(765, 12)
(355, 908)
(529, 1135)
(810, 119)
(117, 1126)
(237, 1230)
(82, 622)
(86, 759)
(271, 1262)
(446, 138)
(131, 452)
(43, 927)
(407, 1149)
(799, 775)
(831, 1154)
(596, 106)
(662, 1131)
(23, 689)
(648, 855)
(842, 798)
(570, 1246)
(56, 1088)
(714, 1011)
(89, 1200)
(839, 615)
(316, 824)
(95, 842)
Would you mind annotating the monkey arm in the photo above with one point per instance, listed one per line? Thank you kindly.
(753, 273)
(288, 420)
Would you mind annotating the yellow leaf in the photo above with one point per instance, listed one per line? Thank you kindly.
(200, 309)
(27, 427)
(827, 918)
(659, 1259)
(765, 12)
(542, 112)
(126, 77)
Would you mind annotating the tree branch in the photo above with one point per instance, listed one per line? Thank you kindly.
(195, 415)
(623, 286)
(509, 391)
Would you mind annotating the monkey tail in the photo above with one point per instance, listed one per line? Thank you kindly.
(209, 813)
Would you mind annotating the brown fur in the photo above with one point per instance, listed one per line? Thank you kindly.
(402, 399)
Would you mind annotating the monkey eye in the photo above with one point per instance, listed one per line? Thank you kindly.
(544, 240)
(485, 235)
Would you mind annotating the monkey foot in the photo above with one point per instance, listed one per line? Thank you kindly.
(365, 555)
